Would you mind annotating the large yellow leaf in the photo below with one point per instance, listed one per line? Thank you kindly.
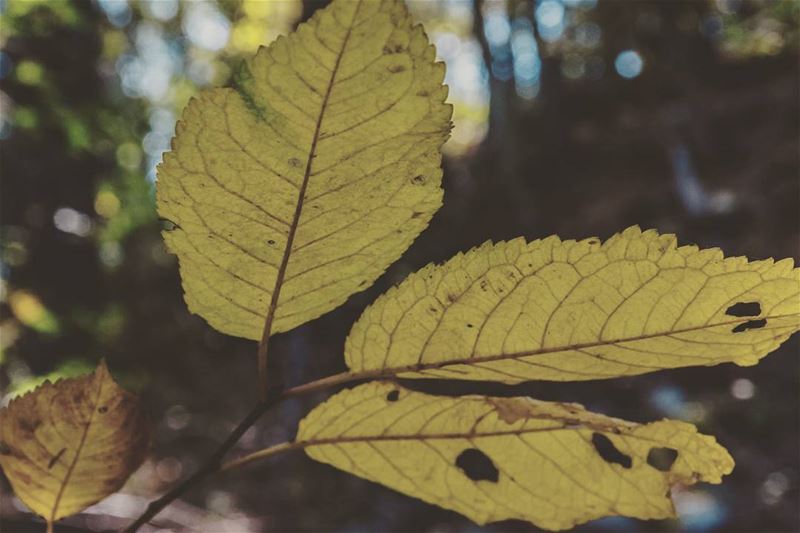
(565, 310)
(299, 186)
(69, 444)
(491, 459)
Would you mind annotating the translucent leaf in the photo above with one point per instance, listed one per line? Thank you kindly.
(69, 444)
(565, 310)
(300, 185)
(490, 459)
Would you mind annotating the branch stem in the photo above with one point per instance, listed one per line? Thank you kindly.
(211, 465)
(214, 463)
(261, 454)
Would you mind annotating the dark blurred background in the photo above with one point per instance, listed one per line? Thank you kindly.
(576, 117)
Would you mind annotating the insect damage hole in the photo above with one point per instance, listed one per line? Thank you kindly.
(744, 309)
(393, 396)
(750, 324)
(662, 458)
(168, 225)
(610, 454)
(477, 466)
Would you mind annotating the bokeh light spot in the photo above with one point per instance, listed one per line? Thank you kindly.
(29, 73)
(629, 64)
(206, 27)
(550, 17)
(106, 204)
(743, 389)
(71, 221)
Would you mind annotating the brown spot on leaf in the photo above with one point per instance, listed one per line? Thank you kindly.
(28, 425)
(510, 410)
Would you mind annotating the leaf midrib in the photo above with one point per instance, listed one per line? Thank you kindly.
(287, 251)
(417, 367)
(78, 450)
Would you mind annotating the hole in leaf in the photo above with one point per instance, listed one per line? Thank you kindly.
(750, 324)
(477, 465)
(103, 409)
(662, 458)
(393, 396)
(168, 225)
(470, 326)
(609, 452)
(418, 180)
(744, 309)
(271, 242)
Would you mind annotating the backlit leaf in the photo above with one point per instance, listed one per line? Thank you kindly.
(565, 310)
(300, 185)
(491, 459)
(69, 444)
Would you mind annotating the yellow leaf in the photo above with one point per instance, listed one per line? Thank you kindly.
(69, 444)
(565, 310)
(300, 185)
(491, 459)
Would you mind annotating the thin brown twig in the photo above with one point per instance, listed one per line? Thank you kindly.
(211, 465)
(214, 463)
